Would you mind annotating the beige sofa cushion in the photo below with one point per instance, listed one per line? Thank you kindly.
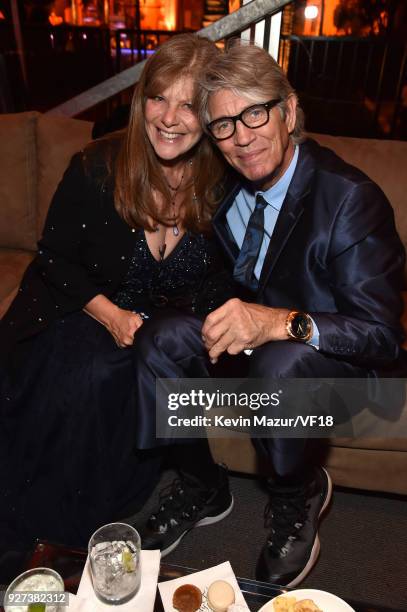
(375, 465)
(18, 185)
(374, 470)
(384, 161)
(58, 138)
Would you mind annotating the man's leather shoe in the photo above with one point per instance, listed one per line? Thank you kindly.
(293, 515)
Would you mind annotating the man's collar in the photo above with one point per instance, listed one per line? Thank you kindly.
(276, 193)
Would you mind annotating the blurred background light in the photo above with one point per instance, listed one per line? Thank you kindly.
(311, 12)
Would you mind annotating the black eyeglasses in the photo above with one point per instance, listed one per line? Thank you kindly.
(252, 117)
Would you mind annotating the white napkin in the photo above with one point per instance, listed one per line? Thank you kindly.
(202, 580)
(143, 601)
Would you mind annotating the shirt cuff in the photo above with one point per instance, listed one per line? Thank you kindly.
(314, 340)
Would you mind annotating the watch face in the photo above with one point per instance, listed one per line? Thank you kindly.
(301, 326)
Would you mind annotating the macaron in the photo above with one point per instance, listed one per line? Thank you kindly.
(220, 596)
(187, 598)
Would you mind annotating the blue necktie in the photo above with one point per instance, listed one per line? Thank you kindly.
(243, 271)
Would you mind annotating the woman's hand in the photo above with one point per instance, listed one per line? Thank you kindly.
(122, 324)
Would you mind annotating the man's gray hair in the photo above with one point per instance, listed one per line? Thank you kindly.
(249, 71)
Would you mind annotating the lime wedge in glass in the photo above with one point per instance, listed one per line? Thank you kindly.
(36, 607)
(128, 560)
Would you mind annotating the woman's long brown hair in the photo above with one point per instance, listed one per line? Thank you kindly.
(137, 171)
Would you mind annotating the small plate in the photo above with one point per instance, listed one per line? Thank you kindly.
(324, 600)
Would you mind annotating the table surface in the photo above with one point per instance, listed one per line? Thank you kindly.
(69, 563)
(255, 593)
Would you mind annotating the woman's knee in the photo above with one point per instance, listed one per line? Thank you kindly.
(169, 332)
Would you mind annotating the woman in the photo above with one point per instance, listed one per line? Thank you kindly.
(125, 239)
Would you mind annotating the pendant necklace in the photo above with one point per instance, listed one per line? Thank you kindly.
(175, 229)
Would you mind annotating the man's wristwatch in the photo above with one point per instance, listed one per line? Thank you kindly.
(299, 326)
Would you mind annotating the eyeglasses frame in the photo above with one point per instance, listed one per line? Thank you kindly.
(267, 105)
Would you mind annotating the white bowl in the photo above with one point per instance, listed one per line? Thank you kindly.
(326, 601)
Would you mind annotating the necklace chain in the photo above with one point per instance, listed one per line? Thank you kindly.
(175, 229)
(179, 184)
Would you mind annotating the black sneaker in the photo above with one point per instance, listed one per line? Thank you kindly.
(293, 545)
(183, 505)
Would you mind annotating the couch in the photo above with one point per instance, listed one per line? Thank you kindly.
(34, 151)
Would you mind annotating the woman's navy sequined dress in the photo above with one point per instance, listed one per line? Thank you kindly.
(68, 458)
(188, 278)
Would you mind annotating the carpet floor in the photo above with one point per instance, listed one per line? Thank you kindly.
(363, 543)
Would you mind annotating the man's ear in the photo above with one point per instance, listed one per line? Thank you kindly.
(291, 112)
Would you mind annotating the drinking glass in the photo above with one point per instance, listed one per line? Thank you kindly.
(40, 588)
(114, 555)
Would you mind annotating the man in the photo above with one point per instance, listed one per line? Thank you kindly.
(313, 242)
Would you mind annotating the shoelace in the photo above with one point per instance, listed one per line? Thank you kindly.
(284, 515)
(177, 501)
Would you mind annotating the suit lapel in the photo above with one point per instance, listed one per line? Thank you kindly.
(288, 218)
(219, 221)
(290, 214)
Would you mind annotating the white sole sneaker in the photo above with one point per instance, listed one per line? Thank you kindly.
(208, 520)
(317, 545)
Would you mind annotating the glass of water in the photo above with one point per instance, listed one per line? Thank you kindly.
(114, 555)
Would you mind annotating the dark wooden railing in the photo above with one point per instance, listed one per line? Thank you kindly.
(64, 60)
(349, 85)
(232, 25)
(129, 46)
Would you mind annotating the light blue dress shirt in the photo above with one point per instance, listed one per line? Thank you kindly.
(239, 213)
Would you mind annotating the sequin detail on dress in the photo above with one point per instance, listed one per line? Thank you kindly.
(176, 281)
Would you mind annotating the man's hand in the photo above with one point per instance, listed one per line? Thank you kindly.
(122, 324)
(238, 325)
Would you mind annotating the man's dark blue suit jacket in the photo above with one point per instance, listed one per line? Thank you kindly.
(334, 253)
